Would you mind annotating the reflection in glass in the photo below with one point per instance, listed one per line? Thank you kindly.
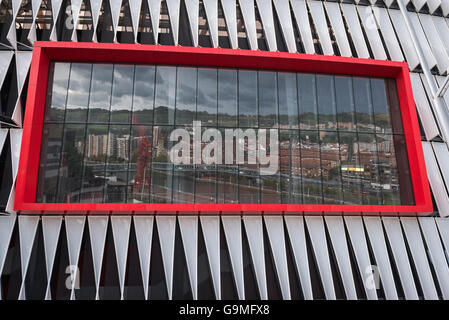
(380, 106)
(345, 103)
(367, 148)
(288, 101)
(78, 95)
(143, 99)
(326, 102)
(184, 184)
(186, 95)
(227, 98)
(205, 184)
(363, 104)
(290, 166)
(122, 93)
(308, 110)
(330, 168)
(351, 169)
(100, 94)
(161, 167)
(247, 98)
(57, 92)
(388, 171)
(311, 167)
(165, 95)
(268, 102)
(405, 181)
(207, 97)
(227, 180)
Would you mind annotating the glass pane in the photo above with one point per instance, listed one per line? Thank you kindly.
(380, 105)
(205, 184)
(370, 177)
(290, 167)
(311, 167)
(393, 104)
(161, 167)
(78, 95)
(363, 105)
(345, 104)
(247, 98)
(351, 170)
(268, 102)
(327, 113)
(164, 111)
(330, 168)
(143, 99)
(184, 184)
(388, 171)
(405, 182)
(57, 92)
(228, 179)
(207, 97)
(186, 82)
(227, 98)
(100, 96)
(122, 94)
(270, 184)
(288, 100)
(308, 110)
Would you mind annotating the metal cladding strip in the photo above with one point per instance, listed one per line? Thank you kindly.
(352, 19)
(155, 13)
(134, 8)
(377, 240)
(443, 228)
(173, 12)
(254, 233)
(95, 7)
(55, 8)
(413, 235)
(404, 38)
(266, 15)
(189, 234)
(233, 232)
(423, 43)
(435, 180)
(23, 61)
(5, 60)
(11, 36)
(442, 30)
(445, 7)
(336, 20)
(193, 7)
(27, 233)
(15, 136)
(315, 225)
(116, 6)
(75, 7)
(211, 8)
(285, 19)
(372, 33)
(419, 4)
(74, 229)
(230, 14)
(436, 252)
(249, 18)
(424, 110)
(358, 241)
(6, 228)
(211, 232)
(35, 5)
(166, 226)
(442, 156)
(51, 226)
(396, 240)
(98, 226)
(144, 235)
(435, 42)
(10, 204)
(386, 28)
(296, 232)
(121, 226)
(302, 19)
(319, 19)
(3, 135)
(275, 230)
(433, 5)
(338, 239)
(388, 3)
(440, 82)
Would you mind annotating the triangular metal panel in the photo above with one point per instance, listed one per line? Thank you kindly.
(76, 8)
(98, 226)
(95, 7)
(35, 5)
(173, 12)
(337, 233)
(7, 223)
(17, 113)
(266, 15)
(166, 230)
(23, 61)
(27, 233)
(211, 232)
(442, 156)
(233, 232)
(55, 8)
(121, 226)
(383, 23)
(295, 228)
(230, 14)
(254, 233)
(3, 135)
(5, 60)
(419, 4)
(134, 7)
(319, 19)
(275, 230)
(11, 36)
(443, 228)
(336, 20)
(249, 18)
(74, 229)
(144, 235)
(442, 29)
(445, 7)
(193, 8)
(433, 5)
(116, 6)
(315, 225)
(355, 30)
(10, 204)
(211, 8)
(155, 13)
(283, 11)
(302, 19)
(189, 233)
(51, 227)
(371, 31)
(377, 241)
(396, 240)
(15, 136)
(413, 235)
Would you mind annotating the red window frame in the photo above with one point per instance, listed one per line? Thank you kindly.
(46, 52)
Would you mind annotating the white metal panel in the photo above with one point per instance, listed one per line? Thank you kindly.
(95, 7)
(430, 58)
(5, 60)
(230, 14)
(12, 33)
(121, 226)
(424, 110)
(295, 228)
(115, 6)
(27, 233)
(413, 235)
(315, 225)
(3, 135)
(436, 252)
(6, 228)
(249, 18)
(173, 12)
(442, 156)
(75, 7)
(386, 28)
(254, 233)
(23, 61)
(433, 5)
(435, 180)
(74, 229)
(442, 30)
(275, 230)
(189, 234)
(377, 241)
(51, 226)
(166, 229)
(285, 19)
(338, 239)
(98, 226)
(55, 8)
(443, 228)
(144, 236)
(233, 233)
(15, 136)
(358, 241)
(445, 7)
(372, 33)
(35, 5)
(155, 13)
(418, 4)
(396, 240)
(193, 8)
(135, 8)
(302, 19)
(319, 19)
(211, 8)
(355, 30)
(266, 15)
(440, 81)
(211, 232)
(336, 20)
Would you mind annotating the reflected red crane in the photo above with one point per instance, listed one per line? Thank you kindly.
(142, 178)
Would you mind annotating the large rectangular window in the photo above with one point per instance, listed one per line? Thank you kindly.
(107, 127)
